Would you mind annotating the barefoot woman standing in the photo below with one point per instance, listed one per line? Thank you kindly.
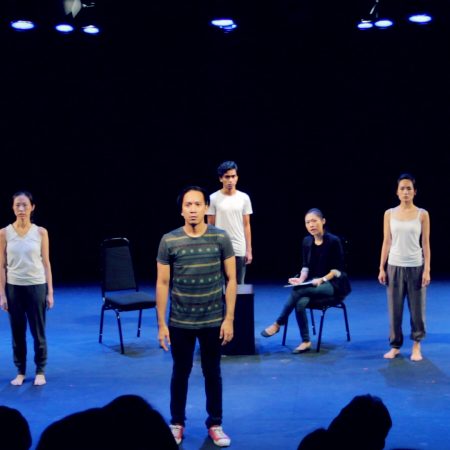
(406, 250)
(26, 288)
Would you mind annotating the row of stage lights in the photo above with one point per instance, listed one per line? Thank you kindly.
(64, 28)
(62, 16)
(379, 19)
(385, 22)
(226, 25)
(373, 20)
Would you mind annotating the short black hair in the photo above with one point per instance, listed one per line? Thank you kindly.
(225, 167)
(184, 191)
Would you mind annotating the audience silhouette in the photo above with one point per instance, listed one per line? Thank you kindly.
(128, 422)
(363, 424)
(14, 430)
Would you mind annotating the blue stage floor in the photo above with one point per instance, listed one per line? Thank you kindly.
(271, 399)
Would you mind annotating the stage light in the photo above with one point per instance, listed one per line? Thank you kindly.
(420, 12)
(22, 25)
(90, 29)
(420, 19)
(384, 23)
(64, 28)
(23, 14)
(226, 25)
(365, 24)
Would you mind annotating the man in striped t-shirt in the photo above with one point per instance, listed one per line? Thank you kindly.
(192, 261)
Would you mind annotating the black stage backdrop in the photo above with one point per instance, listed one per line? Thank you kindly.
(105, 131)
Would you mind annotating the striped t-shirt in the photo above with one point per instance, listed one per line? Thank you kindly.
(197, 276)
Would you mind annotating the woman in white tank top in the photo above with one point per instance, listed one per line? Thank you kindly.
(406, 252)
(26, 288)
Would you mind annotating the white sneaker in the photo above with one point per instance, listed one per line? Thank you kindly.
(218, 436)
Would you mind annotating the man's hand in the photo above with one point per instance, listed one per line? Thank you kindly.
(226, 331)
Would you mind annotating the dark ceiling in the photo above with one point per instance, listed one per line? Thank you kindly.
(106, 130)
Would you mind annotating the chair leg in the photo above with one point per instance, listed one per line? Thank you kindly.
(100, 334)
(139, 323)
(347, 328)
(119, 324)
(319, 338)
(313, 322)
(283, 342)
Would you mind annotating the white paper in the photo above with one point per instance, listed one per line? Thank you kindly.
(305, 283)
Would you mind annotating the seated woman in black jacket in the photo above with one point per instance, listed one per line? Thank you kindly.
(323, 264)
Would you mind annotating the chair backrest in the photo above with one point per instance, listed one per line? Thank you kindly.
(345, 247)
(117, 265)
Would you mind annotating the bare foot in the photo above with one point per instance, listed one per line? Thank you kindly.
(392, 353)
(416, 354)
(18, 381)
(40, 380)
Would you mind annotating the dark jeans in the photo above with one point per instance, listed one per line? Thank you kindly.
(28, 303)
(182, 348)
(299, 298)
(241, 269)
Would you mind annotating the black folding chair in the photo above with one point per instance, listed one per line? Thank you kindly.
(120, 291)
(323, 305)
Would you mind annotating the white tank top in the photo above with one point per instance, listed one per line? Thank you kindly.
(405, 248)
(23, 257)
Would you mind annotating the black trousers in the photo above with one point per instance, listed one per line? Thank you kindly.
(27, 304)
(241, 269)
(182, 347)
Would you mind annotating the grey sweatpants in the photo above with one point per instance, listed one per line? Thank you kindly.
(405, 282)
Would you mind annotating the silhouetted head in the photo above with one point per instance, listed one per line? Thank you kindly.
(362, 424)
(80, 430)
(14, 430)
(316, 440)
(137, 425)
(126, 423)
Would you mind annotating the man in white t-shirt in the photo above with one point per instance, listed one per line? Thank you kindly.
(230, 210)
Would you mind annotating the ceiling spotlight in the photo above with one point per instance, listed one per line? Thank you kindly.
(365, 24)
(384, 23)
(22, 25)
(91, 29)
(226, 25)
(420, 19)
(64, 28)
